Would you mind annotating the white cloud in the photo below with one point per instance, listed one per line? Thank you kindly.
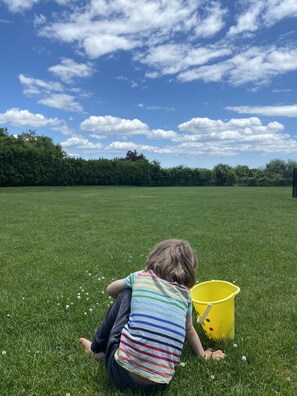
(104, 27)
(214, 72)
(167, 58)
(87, 146)
(61, 101)
(255, 65)
(282, 90)
(279, 9)
(196, 137)
(206, 127)
(161, 134)
(217, 137)
(161, 108)
(51, 93)
(122, 78)
(124, 146)
(261, 64)
(213, 22)
(154, 28)
(34, 86)
(68, 69)
(19, 5)
(81, 143)
(237, 136)
(39, 20)
(64, 2)
(280, 111)
(259, 13)
(19, 118)
(93, 135)
(24, 5)
(175, 58)
(96, 46)
(169, 37)
(24, 118)
(114, 125)
(248, 21)
(260, 144)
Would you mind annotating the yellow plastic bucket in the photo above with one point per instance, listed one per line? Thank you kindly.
(214, 304)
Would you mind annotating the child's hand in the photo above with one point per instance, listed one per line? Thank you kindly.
(216, 355)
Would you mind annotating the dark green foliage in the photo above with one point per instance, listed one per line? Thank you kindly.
(221, 174)
(29, 159)
(294, 192)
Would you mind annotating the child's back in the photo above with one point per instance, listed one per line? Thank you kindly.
(151, 342)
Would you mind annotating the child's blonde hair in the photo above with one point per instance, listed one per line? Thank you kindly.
(173, 260)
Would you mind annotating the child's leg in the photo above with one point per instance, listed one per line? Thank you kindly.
(87, 345)
(107, 338)
(109, 331)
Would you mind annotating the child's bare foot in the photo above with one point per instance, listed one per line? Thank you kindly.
(87, 345)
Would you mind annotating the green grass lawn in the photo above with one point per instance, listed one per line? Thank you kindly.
(61, 246)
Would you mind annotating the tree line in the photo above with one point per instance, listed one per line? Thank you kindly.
(32, 160)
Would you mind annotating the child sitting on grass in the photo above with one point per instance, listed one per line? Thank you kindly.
(142, 335)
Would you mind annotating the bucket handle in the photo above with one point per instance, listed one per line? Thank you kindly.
(206, 312)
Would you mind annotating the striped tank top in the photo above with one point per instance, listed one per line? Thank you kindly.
(152, 340)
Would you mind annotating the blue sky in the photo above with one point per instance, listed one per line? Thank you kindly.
(185, 82)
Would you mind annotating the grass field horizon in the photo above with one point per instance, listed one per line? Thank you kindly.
(61, 247)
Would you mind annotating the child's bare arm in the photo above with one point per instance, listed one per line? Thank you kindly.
(116, 287)
(193, 338)
(195, 343)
